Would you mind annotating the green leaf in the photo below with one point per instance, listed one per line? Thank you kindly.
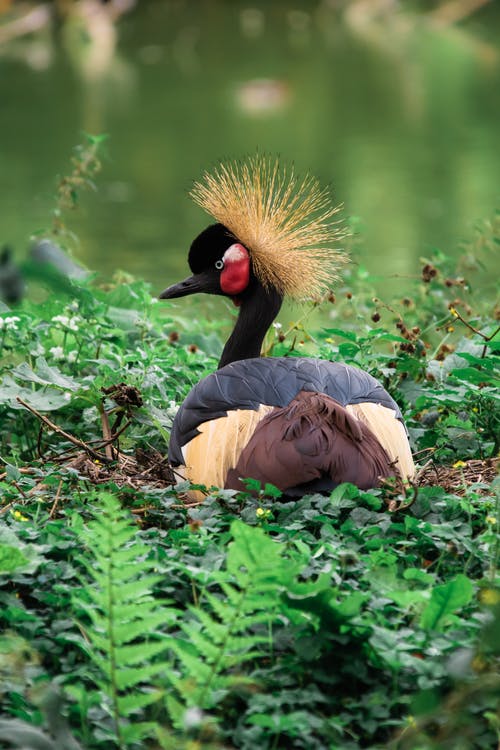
(10, 559)
(134, 733)
(348, 350)
(473, 375)
(446, 599)
(45, 375)
(350, 335)
(42, 400)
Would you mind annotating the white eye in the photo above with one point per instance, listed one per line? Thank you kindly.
(219, 264)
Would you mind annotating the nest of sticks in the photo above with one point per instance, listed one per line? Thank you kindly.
(458, 478)
(103, 462)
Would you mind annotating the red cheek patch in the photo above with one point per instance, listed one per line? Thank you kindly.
(236, 272)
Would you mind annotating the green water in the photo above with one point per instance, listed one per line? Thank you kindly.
(402, 118)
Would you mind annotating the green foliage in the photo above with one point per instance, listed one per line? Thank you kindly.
(124, 637)
(57, 736)
(259, 587)
(86, 165)
(319, 625)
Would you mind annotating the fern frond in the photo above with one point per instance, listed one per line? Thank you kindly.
(124, 629)
(227, 634)
(207, 645)
(132, 703)
(128, 677)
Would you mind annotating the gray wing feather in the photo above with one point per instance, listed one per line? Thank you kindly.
(274, 381)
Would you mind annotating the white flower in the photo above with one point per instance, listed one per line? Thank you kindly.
(72, 355)
(66, 322)
(37, 350)
(192, 717)
(11, 322)
(67, 395)
(143, 323)
(57, 352)
(277, 326)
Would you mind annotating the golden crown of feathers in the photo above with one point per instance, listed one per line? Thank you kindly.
(283, 221)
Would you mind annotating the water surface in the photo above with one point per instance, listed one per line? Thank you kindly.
(399, 115)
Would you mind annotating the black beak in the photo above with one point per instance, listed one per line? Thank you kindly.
(206, 281)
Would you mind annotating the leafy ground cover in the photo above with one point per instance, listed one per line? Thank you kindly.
(132, 618)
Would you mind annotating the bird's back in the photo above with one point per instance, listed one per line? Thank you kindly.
(302, 424)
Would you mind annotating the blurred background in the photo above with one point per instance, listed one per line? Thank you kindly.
(396, 105)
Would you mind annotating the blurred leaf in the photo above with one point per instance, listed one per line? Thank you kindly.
(10, 559)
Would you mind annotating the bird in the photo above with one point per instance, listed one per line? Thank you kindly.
(301, 424)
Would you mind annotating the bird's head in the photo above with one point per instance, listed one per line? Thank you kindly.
(273, 230)
(220, 265)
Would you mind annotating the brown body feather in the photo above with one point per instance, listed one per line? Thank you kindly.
(313, 437)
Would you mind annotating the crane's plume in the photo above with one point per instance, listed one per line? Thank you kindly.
(284, 221)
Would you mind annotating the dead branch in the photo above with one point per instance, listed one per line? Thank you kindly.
(60, 431)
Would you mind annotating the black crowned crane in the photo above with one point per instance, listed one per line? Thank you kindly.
(302, 424)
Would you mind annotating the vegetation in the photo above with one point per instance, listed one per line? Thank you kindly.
(132, 618)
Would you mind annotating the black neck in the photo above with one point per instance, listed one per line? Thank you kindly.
(259, 307)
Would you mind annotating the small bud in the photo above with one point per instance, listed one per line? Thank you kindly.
(428, 272)
(409, 348)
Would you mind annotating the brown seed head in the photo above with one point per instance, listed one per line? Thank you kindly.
(284, 222)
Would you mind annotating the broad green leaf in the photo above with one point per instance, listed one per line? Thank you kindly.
(48, 399)
(10, 559)
(473, 375)
(350, 335)
(45, 374)
(348, 350)
(445, 599)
